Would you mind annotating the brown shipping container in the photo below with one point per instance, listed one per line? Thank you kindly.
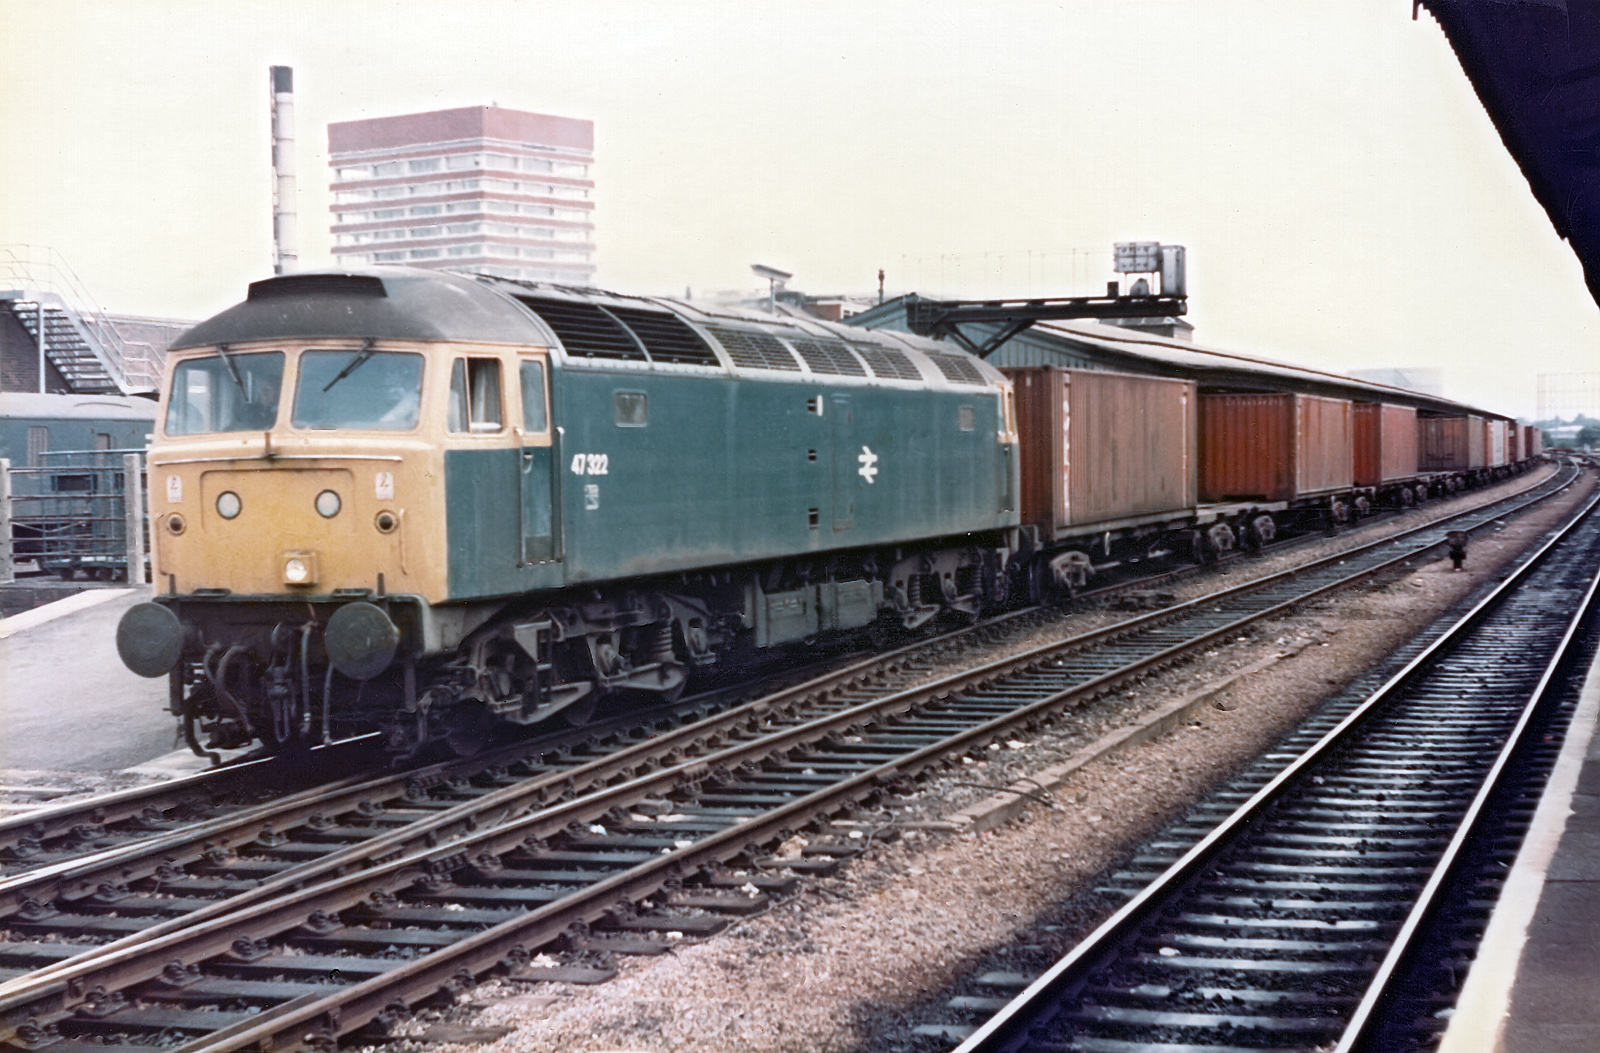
(1385, 443)
(1098, 447)
(1513, 443)
(1449, 444)
(1534, 446)
(1274, 447)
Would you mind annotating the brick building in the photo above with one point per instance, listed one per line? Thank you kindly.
(479, 189)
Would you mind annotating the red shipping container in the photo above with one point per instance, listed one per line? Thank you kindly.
(1385, 443)
(1097, 447)
(1274, 447)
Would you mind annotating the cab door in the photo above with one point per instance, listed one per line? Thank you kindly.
(541, 541)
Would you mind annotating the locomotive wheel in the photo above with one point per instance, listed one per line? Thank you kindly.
(581, 712)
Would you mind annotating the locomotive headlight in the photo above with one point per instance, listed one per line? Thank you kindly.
(299, 568)
(228, 504)
(328, 504)
(175, 524)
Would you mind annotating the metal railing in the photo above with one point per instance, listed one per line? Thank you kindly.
(134, 365)
(82, 512)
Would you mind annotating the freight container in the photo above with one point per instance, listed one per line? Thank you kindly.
(1274, 447)
(1449, 444)
(1513, 443)
(1097, 447)
(1385, 443)
(1494, 443)
(1533, 444)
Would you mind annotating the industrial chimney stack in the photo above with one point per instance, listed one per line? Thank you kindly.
(285, 246)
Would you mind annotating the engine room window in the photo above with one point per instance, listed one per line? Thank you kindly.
(376, 390)
(475, 396)
(533, 411)
(226, 392)
(966, 419)
(630, 409)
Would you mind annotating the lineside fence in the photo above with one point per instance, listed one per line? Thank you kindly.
(80, 513)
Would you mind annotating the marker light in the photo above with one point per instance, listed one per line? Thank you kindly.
(327, 504)
(228, 504)
(175, 524)
(298, 570)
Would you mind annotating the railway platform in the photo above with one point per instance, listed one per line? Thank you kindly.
(1535, 985)
(67, 703)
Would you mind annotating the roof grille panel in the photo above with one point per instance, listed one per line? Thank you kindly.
(754, 350)
(666, 337)
(829, 356)
(317, 285)
(888, 362)
(958, 370)
(585, 330)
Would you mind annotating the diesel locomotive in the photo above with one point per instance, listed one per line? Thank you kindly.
(436, 505)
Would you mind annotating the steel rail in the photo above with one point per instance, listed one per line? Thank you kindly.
(74, 821)
(59, 820)
(280, 815)
(1360, 1030)
(506, 804)
(1010, 1025)
(153, 957)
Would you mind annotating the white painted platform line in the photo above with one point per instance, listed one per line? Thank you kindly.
(1485, 1002)
(78, 601)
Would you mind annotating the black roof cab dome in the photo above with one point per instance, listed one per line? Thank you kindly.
(396, 303)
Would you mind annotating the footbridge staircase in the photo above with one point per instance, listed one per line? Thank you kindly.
(74, 335)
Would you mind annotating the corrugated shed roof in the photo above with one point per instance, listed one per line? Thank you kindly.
(1090, 344)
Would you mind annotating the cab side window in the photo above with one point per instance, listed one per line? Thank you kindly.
(475, 396)
(534, 417)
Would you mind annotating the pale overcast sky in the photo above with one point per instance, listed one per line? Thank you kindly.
(1344, 199)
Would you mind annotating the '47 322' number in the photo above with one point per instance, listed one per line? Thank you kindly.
(591, 464)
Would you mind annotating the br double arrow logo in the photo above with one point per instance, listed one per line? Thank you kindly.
(868, 469)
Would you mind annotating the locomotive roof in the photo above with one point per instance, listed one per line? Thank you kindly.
(17, 405)
(589, 328)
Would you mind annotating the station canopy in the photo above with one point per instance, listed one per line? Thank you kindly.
(1535, 65)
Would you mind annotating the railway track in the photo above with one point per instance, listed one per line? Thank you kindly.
(1336, 908)
(67, 832)
(341, 926)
